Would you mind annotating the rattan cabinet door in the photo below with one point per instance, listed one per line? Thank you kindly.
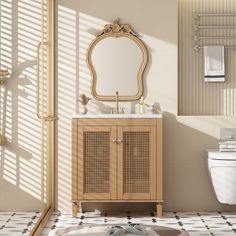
(96, 162)
(136, 158)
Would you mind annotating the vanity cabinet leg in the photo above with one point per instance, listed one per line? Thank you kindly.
(159, 207)
(74, 209)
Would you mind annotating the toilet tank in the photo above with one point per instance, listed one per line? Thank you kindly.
(222, 168)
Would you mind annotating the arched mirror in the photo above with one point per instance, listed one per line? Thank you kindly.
(117, 58)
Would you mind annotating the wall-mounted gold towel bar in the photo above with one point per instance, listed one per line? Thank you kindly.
(197, 47)
(203, 27)
(197, 37)
(199, 15)
(215, 36)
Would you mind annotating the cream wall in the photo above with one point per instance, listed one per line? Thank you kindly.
(186, 181)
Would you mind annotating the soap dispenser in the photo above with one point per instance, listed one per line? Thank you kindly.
(141, 106)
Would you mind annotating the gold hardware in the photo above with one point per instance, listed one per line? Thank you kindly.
(117, 110)
(50, 118)
(46, 118)
(37, 78)
(117, 102)
(119, 141)
(2, 140)
(47, 199)
(121, 111)
(3, 74)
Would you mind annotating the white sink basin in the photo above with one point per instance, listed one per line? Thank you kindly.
(117, 116)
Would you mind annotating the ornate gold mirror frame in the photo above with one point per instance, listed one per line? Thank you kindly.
(117, 30)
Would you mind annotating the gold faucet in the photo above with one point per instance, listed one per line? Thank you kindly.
(117, 109)
(117, 103)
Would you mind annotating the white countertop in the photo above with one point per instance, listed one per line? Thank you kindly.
(117, 116)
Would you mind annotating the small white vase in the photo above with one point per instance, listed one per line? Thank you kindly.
(83, 109)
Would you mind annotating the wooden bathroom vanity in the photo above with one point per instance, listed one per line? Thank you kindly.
(117, 158)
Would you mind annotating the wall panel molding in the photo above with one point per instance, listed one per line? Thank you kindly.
(196, 97)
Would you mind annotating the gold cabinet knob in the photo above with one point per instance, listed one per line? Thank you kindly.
(119, 141)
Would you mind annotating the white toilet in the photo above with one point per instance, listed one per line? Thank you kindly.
(222, 168)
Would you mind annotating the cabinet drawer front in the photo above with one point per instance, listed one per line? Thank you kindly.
(96, 167)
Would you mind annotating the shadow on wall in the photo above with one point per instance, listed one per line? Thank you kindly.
(187, 185)
(20, 31)
(76, 35)
(107, 11)
(186, 174)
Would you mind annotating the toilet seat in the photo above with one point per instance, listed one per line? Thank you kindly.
(224, 156)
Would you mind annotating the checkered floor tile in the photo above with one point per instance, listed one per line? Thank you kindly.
(196, 224)
(17, 223)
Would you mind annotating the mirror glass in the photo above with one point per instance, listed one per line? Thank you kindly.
(117, 59)
(117, 62)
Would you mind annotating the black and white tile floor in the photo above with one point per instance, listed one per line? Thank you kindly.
(197, 224)
(17, 223)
